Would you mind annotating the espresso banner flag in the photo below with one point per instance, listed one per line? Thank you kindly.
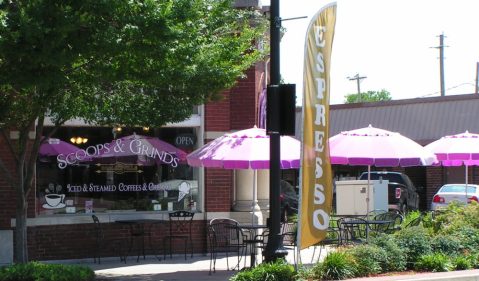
(316, 175)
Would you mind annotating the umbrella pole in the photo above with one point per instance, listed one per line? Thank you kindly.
(367, 194)
(255, 199)
(466, 180)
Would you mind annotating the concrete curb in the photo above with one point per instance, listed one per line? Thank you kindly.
(463, 275)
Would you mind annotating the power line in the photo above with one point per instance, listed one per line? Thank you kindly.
(450, 88)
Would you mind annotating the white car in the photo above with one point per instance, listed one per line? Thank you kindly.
(455, 192)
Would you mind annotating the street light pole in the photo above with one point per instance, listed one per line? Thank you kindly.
(272, 251)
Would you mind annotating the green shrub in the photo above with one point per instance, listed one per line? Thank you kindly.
(468, 237)
(462, 262)
(275, 271)
(305, 273)
(335, 266)
(436, 262)
(446, 244)
(414, 242)
(370, 259)
(474, 259)
(36, 271)
(395, 256)
(456, 216)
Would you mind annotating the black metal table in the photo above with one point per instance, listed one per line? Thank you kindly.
(138, 233)
(252, 241)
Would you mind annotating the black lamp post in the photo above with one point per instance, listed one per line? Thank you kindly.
(273, 248)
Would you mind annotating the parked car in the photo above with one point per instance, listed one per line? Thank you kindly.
(402, 194)
(455, 192)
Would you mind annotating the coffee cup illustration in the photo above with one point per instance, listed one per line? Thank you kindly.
(55, 200)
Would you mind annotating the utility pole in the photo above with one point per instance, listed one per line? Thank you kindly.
(441, 63)
(477, 77)
(358, 81)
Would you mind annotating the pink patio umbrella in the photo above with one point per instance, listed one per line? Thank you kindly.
(377, 147)
(246, 149)
(457, 150)
(142, 149)
(53, 147)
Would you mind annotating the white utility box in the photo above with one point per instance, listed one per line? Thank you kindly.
(351, 196)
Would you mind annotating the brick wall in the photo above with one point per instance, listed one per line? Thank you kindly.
(219, 183)
(217, 114)
(244, 102)
(79, 241)
(236, 111)
(435, 180)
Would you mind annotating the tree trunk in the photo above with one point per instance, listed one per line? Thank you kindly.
(20, 248)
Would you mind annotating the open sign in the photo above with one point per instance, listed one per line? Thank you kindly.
(398, 192)
(185, 140)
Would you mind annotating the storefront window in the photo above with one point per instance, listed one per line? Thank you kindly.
(131, 169)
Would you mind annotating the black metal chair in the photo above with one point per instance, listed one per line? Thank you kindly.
(180, 225)
(394, 224)
(352, 230)
(225, 236)
(415, 222)
(101, 243)
(289, 233)
(375, 212)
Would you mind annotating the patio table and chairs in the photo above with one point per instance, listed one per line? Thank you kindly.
(357, 230)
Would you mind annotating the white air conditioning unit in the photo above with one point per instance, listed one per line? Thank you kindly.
(351, 196)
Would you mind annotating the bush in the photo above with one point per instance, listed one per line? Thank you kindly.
(36, 271)
(468, 237)
(335, 266)
(414, 242)
(305, 273)
(462, 262)
(395, 256)
(446, 244)
(474, 260)
(436, 262)
(370, 259)
(275, 271)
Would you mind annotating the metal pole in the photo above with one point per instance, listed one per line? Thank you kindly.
(272, 251)
(441, 64)
(477, 77)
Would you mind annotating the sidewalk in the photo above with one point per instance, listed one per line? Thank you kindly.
(197, 269)
(175, 269)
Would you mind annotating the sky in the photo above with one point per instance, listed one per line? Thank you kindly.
(391, 42)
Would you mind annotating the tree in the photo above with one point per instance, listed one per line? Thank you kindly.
(369, 96)
(134, 63)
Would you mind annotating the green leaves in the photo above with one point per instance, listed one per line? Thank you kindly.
(121, 61)
(369, 96)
